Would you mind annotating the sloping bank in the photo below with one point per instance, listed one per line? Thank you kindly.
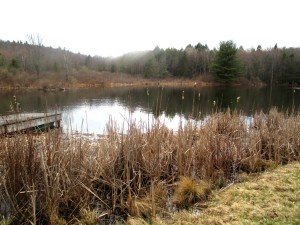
(271, 197)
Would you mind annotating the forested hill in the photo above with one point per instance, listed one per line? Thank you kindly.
(272, 66)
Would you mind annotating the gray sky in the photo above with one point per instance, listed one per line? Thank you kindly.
(115, 27)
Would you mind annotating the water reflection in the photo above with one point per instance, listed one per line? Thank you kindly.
(88, 118)
(89, 110)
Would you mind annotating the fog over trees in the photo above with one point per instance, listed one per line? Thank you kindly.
(276, 65)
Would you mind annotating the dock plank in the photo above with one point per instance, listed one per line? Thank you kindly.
(23, 121)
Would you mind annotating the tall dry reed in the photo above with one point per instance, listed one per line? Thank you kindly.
(55, 178)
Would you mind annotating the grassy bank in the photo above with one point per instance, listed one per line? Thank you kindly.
(271, 197)
(58, 179)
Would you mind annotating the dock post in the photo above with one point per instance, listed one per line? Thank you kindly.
(58, 123)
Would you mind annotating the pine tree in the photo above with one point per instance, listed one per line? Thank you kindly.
(226, 66)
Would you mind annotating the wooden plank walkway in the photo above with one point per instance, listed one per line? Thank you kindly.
(28, 121)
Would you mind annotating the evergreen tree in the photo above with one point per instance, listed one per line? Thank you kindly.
(2, 61)
(226, 65)
(14, 63)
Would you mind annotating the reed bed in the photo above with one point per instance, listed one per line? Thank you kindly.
(55, 178)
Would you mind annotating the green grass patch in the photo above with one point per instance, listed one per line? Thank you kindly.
(272, 197)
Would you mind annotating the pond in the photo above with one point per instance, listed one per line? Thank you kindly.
(89, 110)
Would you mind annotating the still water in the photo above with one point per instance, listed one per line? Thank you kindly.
(89, 110)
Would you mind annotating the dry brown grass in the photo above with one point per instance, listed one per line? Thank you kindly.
(189, 191)
(52, 178)
(85, 78)
(154, 202)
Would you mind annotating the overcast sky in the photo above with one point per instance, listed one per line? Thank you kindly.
(115, 27)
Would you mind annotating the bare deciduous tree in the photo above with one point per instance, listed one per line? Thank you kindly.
(66, 55)
(35, 51)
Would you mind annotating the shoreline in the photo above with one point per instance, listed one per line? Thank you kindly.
(128, 82)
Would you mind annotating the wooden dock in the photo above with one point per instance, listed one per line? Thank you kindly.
(21, 122)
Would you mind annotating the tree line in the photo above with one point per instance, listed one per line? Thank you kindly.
(226, 64)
